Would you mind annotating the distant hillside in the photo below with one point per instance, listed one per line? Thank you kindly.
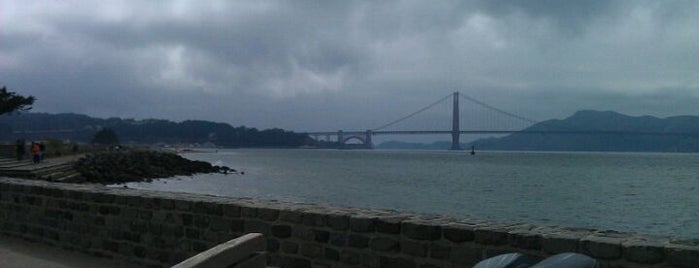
(33, 126)
(603, 121)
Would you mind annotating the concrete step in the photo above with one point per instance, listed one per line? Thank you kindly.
(75, 177)
(50, 169)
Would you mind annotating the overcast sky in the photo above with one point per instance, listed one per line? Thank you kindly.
(327, 65)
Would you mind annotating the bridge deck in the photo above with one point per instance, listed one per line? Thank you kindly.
(564, 132)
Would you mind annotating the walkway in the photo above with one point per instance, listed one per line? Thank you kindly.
(52, 169)
(18, 253)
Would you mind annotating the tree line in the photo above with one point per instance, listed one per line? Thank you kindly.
(77, 127)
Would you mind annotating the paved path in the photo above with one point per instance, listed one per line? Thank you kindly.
(18, 253)
(52, 169)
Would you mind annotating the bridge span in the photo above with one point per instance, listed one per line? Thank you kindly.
(365, 137)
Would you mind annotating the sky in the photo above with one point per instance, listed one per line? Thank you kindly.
(329, 65)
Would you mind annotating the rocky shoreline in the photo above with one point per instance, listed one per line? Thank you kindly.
(134, 166)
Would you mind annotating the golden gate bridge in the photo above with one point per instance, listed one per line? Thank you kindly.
(342, 137)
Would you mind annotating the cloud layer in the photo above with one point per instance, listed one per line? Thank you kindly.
(323, 65)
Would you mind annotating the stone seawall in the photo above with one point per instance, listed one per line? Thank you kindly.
(160, 229)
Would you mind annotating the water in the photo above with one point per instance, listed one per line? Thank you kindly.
(649, 193)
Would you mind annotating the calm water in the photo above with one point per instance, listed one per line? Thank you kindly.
(647, 193)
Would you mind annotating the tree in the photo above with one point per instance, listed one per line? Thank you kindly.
(12, 102)
(106, 136)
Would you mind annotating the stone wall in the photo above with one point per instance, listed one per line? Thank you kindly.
(161, 229)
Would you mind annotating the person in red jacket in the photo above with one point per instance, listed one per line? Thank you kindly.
(36, 152)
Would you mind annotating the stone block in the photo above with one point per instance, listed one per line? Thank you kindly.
(466, 256)
(640, 251)
(683, 254)
(331, 254)
(273, 245)
(237, 226)
(302, 233)
(135, 226)
(458, 233)
(192, 233)
(314, 219)
(601, 247)
(390, 262)
(491, 236)
(232, 211)
(362, 224)
(130, 213)
(183, 205)
(385, 244)
(281, 231)
(413, 248)
(131, 237)
(311, 250)
(389, 225)
(140, 251)
(102, 198)
(358, 241)
(178, 256)
(166, 203)
(560, 242)
(337, 239)
(320, 236)
(145, 215)
(267, 214)
(109, 245)
(199, 246)
(289, 247)
(248, 212)
(338, 222)
(291, 216)
(202, 221)
(252, 226)
(162, 216)
(207, 208)
(290, 262)
(439, 252)
(350, 257)
(421, 230)
(187, 219)
(151, 203)
(525, 239)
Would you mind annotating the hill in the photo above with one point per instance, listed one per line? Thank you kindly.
(76, 127)
(603, 121)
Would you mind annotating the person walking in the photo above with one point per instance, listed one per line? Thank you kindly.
(20, 149)
(42, 151)
(36, 151)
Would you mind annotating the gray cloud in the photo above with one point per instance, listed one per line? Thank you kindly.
(309, 65)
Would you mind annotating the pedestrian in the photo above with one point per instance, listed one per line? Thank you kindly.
(36, 150)
(20, 149)
(42, 151)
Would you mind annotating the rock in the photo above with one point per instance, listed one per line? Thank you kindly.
(128, 166)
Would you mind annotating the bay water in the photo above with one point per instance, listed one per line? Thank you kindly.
(649, 193)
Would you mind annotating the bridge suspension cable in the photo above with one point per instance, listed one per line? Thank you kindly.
(497, 110)
(412, 114)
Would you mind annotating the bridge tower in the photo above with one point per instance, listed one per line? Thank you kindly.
(455, 130)
(340, 139)
(367, 139)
